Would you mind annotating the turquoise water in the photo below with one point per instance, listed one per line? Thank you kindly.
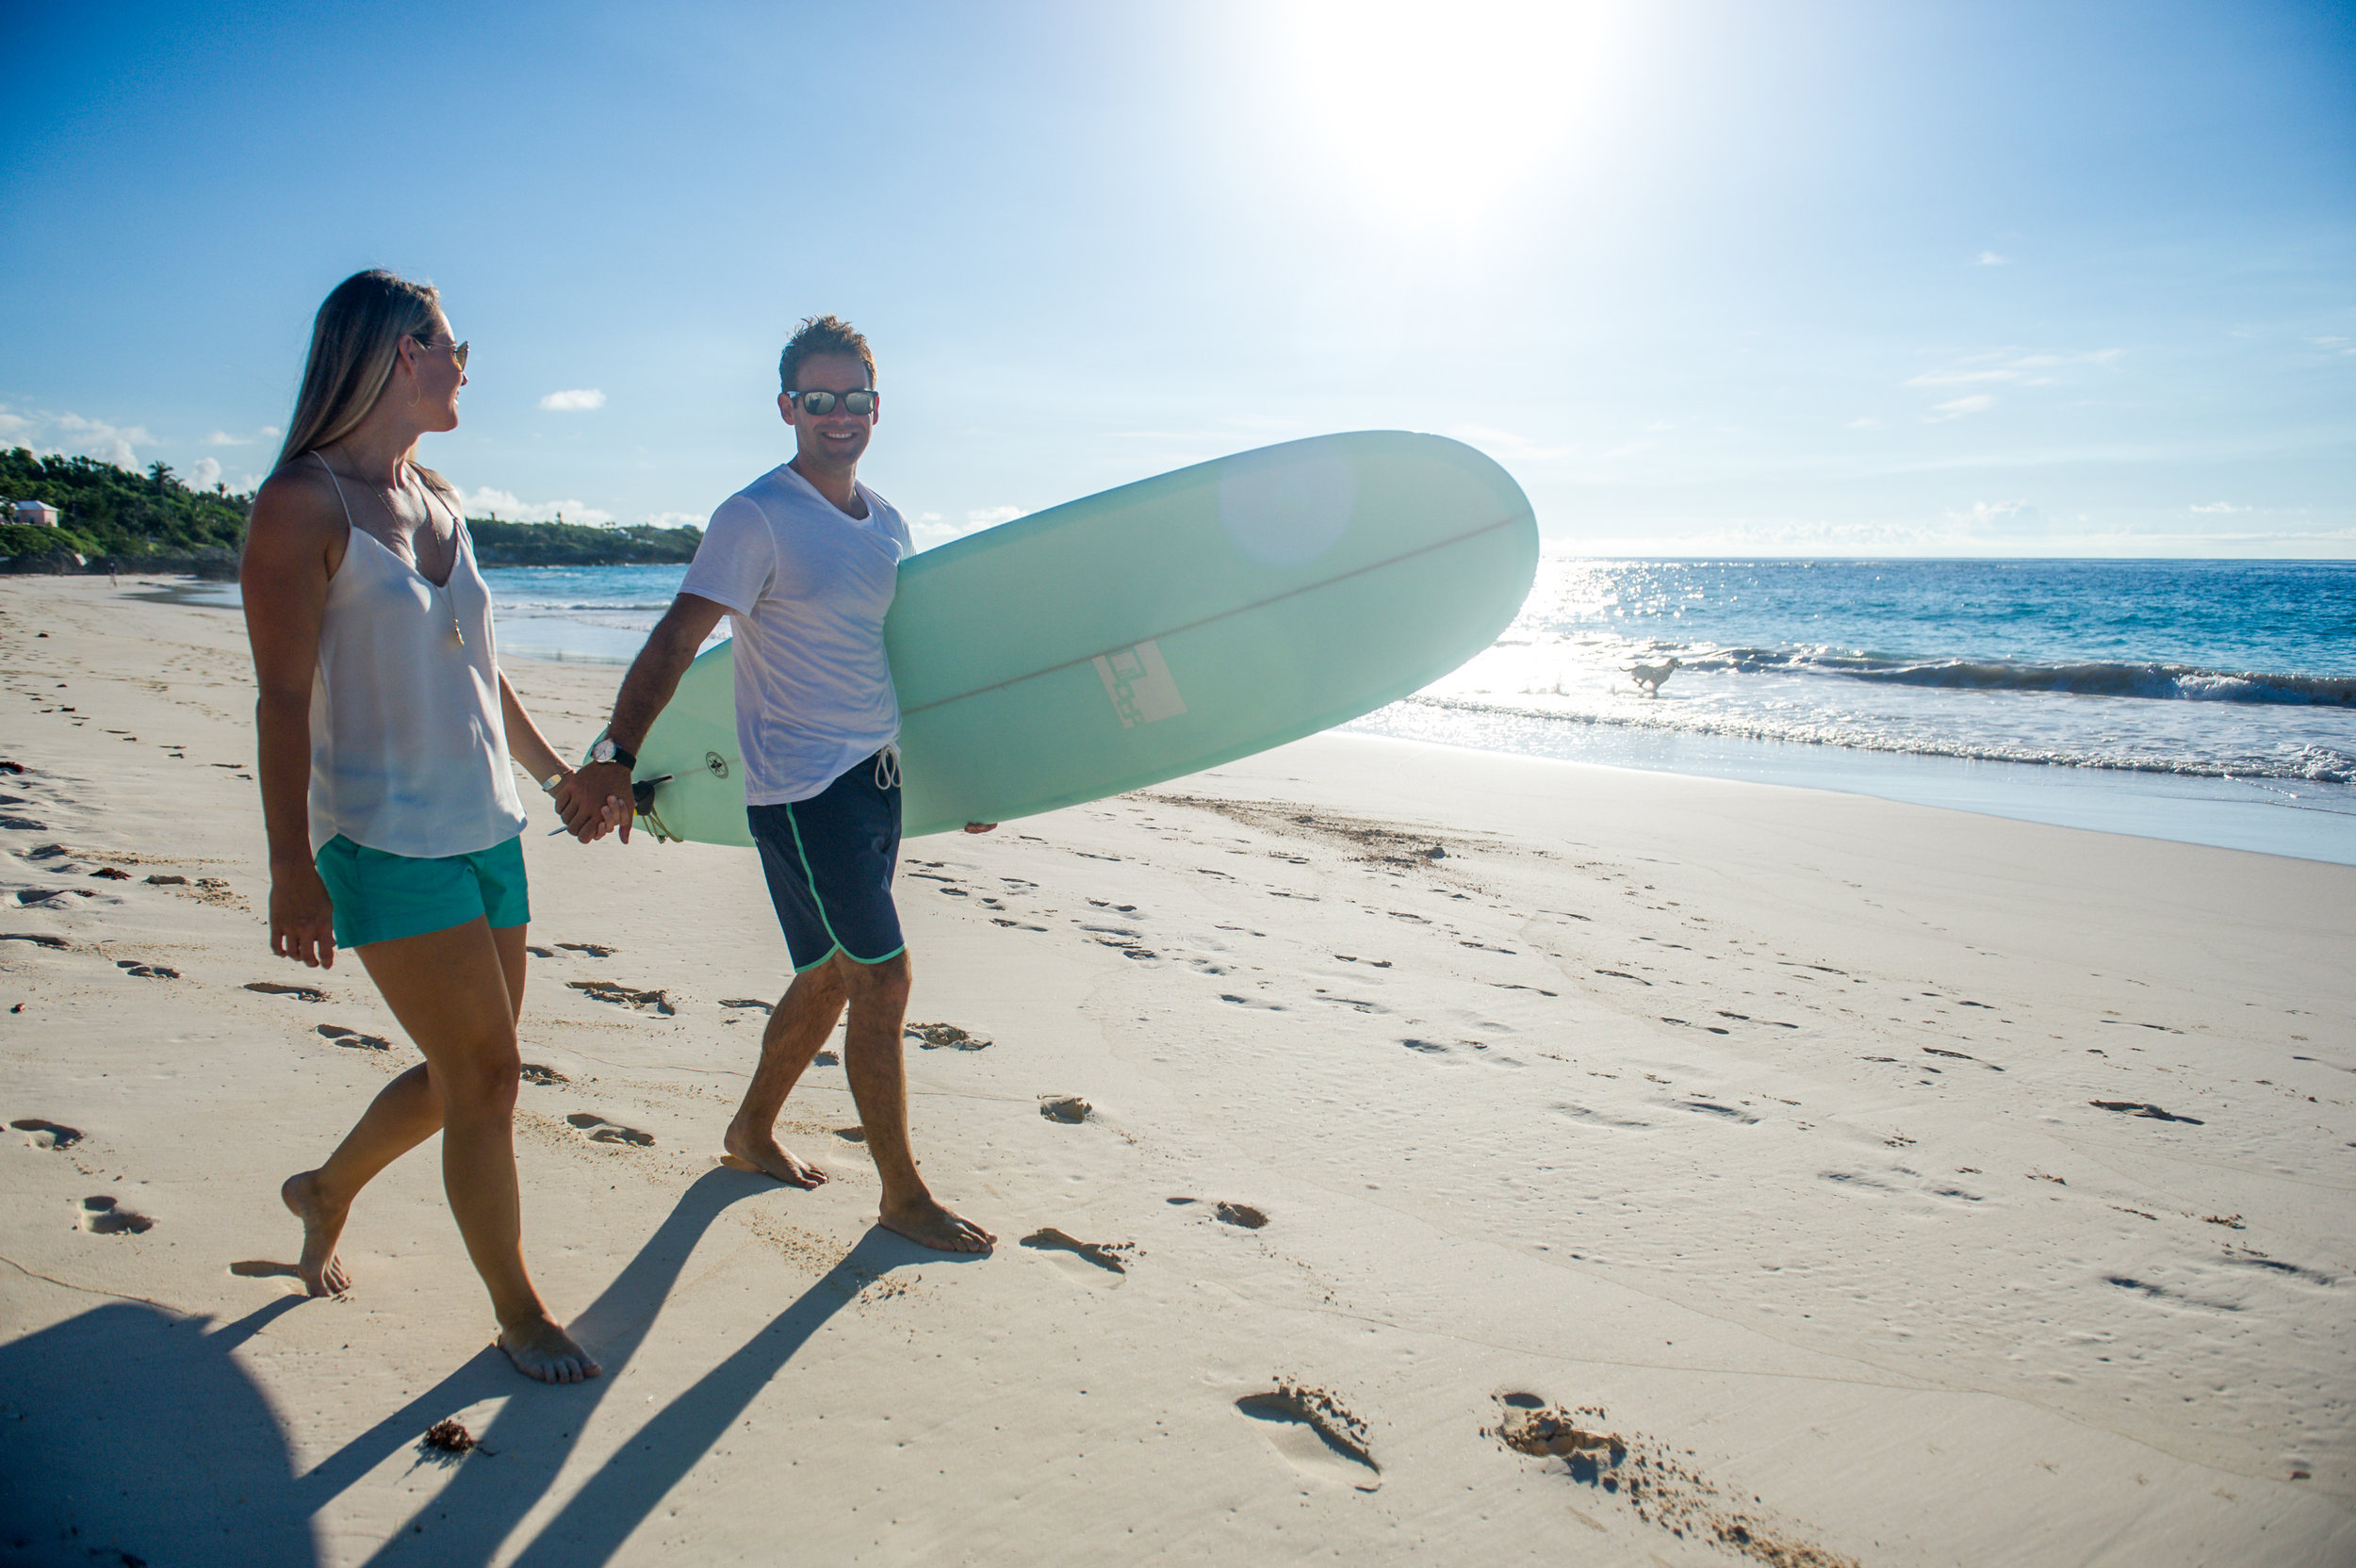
(2212, 702)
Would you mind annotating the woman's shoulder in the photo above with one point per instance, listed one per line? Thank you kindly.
(300, 496)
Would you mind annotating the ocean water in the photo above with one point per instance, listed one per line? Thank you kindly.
(2208, 701)
(2212, 702)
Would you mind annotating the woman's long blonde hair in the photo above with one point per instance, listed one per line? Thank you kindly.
(355, 342)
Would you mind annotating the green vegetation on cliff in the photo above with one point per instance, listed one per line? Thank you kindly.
(114, 514)
(579, 544)
(111, 510)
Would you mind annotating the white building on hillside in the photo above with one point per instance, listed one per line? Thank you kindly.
(39, 513)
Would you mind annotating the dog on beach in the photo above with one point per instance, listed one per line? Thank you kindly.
(1649, 676)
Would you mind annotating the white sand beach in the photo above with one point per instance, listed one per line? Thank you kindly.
(1399, 1155)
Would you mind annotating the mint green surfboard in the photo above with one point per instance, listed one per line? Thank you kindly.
(1154, 631)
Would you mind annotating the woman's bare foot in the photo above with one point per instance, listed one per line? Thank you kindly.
(541, 1349)
(761, 1152)
(927, 1223)
(322, 1223)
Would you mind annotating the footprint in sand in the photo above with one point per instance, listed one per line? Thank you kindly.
(938, 1037)
(1099, 1262)
(533, 1072)
(47, 1134)
(301, 993)
(1243, 1214)
(597, 1129)
(104, 1216)
(1064, 1107)
(352, 1038)
(1313, 1433)
(593, 948)
(146, 972)
(607, 990)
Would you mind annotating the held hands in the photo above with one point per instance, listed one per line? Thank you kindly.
(594, 801)
(301, 916)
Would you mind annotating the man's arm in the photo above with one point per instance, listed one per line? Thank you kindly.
(654, 675)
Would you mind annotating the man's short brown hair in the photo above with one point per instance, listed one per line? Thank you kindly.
(822, 335)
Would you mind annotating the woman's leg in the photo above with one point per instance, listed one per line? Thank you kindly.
(456, 993)
(404, 1114)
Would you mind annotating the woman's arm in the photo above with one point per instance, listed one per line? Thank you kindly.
(527, 745)
(525, 742)
(293, 547)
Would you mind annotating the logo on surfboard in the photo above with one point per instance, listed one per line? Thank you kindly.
(1140, 684)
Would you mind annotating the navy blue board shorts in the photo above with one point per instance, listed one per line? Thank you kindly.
(829, 861)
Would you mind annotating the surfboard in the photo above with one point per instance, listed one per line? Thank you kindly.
(1154, 630)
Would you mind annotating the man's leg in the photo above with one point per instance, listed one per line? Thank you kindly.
(872, 1056)
(803, 1018)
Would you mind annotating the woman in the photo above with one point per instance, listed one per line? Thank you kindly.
(393, 818)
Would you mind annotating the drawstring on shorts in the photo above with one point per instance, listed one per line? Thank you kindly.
(888, 768)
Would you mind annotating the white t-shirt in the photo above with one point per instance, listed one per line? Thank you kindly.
(805, 587)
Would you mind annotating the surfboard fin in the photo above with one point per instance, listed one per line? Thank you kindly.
(641, 794)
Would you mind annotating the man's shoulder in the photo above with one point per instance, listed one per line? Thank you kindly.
(771, 491)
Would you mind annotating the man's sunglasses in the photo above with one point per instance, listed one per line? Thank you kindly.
(822, 403)
(457, 351)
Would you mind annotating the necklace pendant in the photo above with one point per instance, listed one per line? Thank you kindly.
(457, 632)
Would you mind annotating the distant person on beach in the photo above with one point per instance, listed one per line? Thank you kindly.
(804, 561)
(394, 823)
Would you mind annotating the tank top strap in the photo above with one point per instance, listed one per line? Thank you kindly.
(339, 487)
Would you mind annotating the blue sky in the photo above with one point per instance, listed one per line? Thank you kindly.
(1729, 278)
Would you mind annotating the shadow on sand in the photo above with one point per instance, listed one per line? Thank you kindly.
(175, 1447)
(129, 1424)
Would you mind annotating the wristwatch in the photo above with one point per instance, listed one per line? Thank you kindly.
(606, 751)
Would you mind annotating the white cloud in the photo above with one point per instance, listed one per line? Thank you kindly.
(223, 438)
(508, 506)
(1990, 258)
(1999, 518)
(574, 402)
(1961, 378)
(206, 474)
(1956, 408)
(929, 530)
(678, 519)
(71, 435)
(1506, 445)
(2010, 365)
(2218, 506)
(1867, 422)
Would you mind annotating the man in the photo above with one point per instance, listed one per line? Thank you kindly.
(804, 561)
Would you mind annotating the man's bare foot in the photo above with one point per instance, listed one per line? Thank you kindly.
(927, 1223)
(320, 1271)
(541, 1349)
(761, 1152)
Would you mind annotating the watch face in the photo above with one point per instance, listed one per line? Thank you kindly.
(602, 751)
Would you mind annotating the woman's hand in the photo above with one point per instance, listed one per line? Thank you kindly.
(594, 801)
(301, 916)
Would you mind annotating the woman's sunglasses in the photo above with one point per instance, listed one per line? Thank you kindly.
(457, 351)
(822, 403)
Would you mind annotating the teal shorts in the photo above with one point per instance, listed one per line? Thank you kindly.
(382, 897)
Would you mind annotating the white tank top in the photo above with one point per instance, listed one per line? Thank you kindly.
(408, 740)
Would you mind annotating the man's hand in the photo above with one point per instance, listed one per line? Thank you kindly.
(594, 801)
(981, 828)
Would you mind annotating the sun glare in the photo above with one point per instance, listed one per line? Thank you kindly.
(1440, 111)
